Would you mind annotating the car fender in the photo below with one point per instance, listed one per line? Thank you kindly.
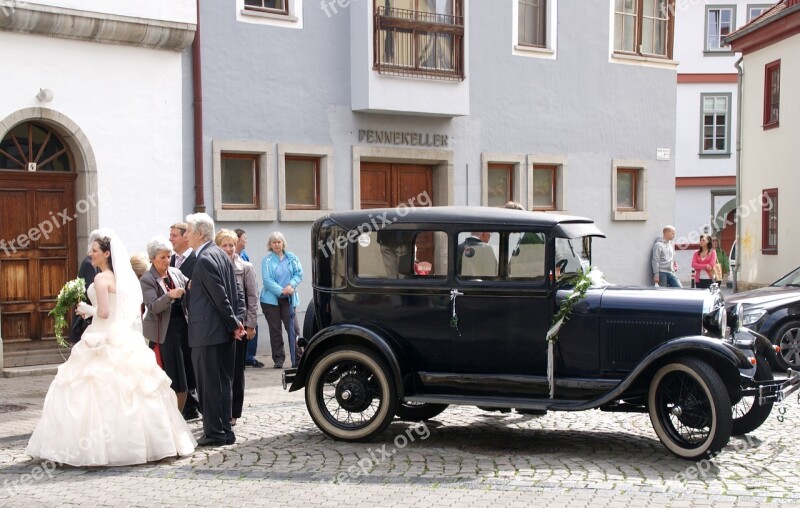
(355, 335)
(693, 346)
(774, 320)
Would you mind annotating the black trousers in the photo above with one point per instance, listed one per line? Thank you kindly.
(213, 369)
(240, 355)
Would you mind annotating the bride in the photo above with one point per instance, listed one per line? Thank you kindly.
(110, 404)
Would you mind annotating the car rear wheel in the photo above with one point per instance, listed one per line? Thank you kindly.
(350, 394)
(417, 411)
(788, 339)
(690, 409)
(747, 414)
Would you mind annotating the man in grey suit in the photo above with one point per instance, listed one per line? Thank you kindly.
(213, 327)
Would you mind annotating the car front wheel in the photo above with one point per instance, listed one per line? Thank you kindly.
(787, 338)
(690, 409)
(747, 414)
(350, 394)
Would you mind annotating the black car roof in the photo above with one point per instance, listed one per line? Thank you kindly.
(569, 226)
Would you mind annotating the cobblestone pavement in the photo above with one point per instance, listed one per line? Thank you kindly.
(465, 457)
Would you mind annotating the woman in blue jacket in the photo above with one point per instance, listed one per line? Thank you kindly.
(281, 273)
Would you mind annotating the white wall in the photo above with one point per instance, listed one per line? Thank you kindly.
(127, 101)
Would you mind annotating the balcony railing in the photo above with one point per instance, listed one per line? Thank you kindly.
(418, 44)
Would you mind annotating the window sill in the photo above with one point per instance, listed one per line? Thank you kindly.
(302, 215)
(629, 59)
(630, 215)
(245, 215)
(533, 51)
(268, 15)
(768, 126)
(709, 52)
(770, 252)
(721, 155)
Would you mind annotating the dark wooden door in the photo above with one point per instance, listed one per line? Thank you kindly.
(37, 256)
(391, 185)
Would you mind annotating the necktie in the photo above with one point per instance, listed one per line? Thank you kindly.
(178, 260)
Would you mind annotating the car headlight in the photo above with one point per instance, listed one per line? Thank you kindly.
(735, 316)
(751, 316)
(715, 321)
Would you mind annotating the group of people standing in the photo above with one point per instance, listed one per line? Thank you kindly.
(196, 305)
(709, 263)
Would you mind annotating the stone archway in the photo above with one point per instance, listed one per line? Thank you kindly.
(725, 222)
(66, 196)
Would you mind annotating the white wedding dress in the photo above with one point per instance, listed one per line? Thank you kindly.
(110, 403)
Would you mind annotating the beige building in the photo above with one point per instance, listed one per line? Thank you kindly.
(769, 172)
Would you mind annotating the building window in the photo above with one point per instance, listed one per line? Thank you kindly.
(500, 184)
(628, 185)
(241, 172)
(305, 181)
(270, 6)
(716, 124)
(532, 24)
(720, 22)
(769, 222)
(419, 38)
(754, 11)
(545, 178)
(302, 183)
(239, 181)
(644, 27)
(772, 94)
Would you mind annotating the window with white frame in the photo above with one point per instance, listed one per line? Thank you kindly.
(270, 6)
(242, 172)
(716, 130)
(532, 23)
(644, 27)
(628, 185)
(720, 22)
(305, 181)
(755, 10)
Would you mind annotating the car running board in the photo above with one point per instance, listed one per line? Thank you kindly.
(503, 402)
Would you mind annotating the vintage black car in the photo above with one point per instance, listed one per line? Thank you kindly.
(416, 309)
(774, 311)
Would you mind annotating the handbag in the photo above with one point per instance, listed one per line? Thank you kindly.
(718, 272)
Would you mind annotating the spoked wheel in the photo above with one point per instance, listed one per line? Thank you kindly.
(417, 411)
(747, 414)
(690, 409)
(350, 394)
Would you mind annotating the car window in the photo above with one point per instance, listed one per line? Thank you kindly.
(401, 254)
(476, 257)
(572, 255)
(526, 255)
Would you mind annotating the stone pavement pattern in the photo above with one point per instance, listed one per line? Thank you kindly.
(465, 457)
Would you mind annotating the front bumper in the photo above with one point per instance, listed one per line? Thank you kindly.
(288, 377)
(774, 391)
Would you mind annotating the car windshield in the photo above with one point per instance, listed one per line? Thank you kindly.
(792, 279)
(573, 254)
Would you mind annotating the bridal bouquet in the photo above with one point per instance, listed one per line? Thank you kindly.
(70, 295)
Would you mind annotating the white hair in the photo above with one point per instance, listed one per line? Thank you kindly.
(277, 235)
(157, 244)
(203, 224)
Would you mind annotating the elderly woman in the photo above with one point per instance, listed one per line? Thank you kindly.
(246, 280)
(164, 322)
(281, 274)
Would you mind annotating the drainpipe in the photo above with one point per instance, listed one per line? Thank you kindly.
(737, 240)
(197, 88)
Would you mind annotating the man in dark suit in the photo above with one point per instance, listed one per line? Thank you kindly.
(213, 327)
(86, 272)
(184, 260)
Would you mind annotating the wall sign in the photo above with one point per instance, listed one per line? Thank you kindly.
(402, 138)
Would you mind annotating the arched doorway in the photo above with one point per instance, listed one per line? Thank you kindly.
(38, 250)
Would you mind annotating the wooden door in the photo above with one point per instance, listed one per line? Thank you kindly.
(37, 256)
(390, 185)
(728, 233)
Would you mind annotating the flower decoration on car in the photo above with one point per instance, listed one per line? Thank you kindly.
(581, 283)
